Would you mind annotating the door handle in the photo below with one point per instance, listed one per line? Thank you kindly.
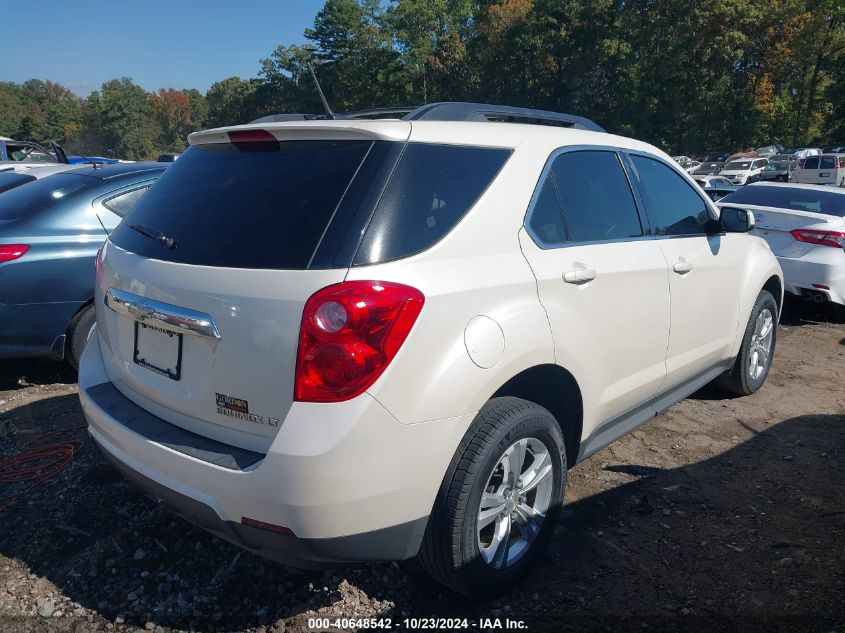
(579, 275)
(682, 266)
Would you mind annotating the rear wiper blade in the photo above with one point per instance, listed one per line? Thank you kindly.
(161, 238)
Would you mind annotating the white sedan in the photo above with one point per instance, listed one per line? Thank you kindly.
(805, 228)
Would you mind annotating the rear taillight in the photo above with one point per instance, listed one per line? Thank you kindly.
(822, 238)
(349, 334)
(8, 252)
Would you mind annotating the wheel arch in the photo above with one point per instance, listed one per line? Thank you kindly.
(553, 388)
(773, 284)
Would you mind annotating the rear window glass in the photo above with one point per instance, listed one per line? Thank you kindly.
(811, 163)
(252, 205)
(794, 198)
(431, 189)
(828, 162)
(11, 180)
(22, 202)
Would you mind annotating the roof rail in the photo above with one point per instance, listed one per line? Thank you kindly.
(454, 111)
(460, 111)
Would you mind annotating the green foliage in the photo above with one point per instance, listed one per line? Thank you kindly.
(688, 76)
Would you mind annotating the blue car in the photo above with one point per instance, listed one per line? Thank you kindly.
(50, 232)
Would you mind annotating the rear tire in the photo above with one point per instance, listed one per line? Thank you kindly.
(493, 518)
(754, 361)
(77, 335)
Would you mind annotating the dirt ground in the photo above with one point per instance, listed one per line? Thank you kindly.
(721, 514)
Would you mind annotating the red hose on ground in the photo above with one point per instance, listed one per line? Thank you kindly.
(37, 462)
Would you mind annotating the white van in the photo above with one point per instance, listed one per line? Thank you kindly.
(827, 169)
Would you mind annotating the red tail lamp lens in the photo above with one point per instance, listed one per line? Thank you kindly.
(8, 252)
(350, 332)
(822, 238)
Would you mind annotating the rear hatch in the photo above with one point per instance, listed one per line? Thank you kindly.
(779, 210)
(207, 276)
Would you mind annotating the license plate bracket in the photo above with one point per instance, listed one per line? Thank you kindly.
(155, 349)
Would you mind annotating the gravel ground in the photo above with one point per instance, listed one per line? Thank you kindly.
(722, 514)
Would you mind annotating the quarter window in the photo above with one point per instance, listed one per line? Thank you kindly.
(676, 207)
(121, 204)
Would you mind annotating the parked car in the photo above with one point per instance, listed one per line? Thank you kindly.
(94, 160)
(805, 228)
(692, 166)
(739, 171)
(769, 150)
(707, 169)
(50, 230)
(712, 181)
(804, 152)
(684, 161)
(346, 340)
(12, 151)
(14, 175)
(716, 157)
(827, 169)
(717, 192)
(168, 158)
(777, 170)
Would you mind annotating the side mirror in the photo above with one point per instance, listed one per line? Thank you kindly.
(735, 220)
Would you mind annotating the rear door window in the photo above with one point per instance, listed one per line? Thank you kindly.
(676, 207)
(595, 196)
(828, 162)
(811, 163)
(244, 205)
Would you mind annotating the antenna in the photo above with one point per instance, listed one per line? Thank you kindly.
(328, 110)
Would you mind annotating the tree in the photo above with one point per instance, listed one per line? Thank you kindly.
(231, 101)
(122, 119)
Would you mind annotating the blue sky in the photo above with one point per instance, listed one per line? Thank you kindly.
(158, 43)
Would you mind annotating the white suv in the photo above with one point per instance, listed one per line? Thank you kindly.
(345, 340)
(741, 171)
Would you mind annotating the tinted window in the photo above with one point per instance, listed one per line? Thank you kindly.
(596, 197)
(546, 219)
(22, 202)
(811, 163)
(431, 189)
(828, 163)
(123, 203)
(797, 199)
(738, 165)
(250, 205)
(11, 180)
(676, 207)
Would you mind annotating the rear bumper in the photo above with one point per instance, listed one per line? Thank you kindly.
(349, 480)
(823, 266)
(35, 329)
(306, 553)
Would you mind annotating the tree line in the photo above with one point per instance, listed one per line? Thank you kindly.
(688, 76)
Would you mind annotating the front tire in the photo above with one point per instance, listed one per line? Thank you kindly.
(499, 501)
(752, 365)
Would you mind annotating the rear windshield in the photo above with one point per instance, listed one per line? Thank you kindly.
(794, 198)
(22, 202)
(282, 205)
(250, 205)
(12, 179)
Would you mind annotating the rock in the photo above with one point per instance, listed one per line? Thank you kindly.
(45, 607)
(788, 458)
(150, 626)
(120, 619)
(139, 554)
